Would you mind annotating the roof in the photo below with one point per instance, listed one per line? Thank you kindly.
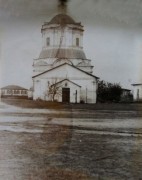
(69, 65)
(15, 87)
(66, 80)
(136, 84)
(126, 89)
(62, 53)
(63, 19)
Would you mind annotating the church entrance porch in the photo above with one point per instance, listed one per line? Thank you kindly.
(66, 95)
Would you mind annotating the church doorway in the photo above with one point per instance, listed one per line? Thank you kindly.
(66, 95)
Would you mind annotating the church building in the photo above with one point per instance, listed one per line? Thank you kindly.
(62, 72)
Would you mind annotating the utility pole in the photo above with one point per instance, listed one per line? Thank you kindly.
(86, 95)
(76, 96)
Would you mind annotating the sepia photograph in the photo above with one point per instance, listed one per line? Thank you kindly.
(70, 90)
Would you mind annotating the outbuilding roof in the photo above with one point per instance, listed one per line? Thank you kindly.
(13, 87)
(126, 89)
(138, 84)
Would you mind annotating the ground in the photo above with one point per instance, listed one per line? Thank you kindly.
(41, 142)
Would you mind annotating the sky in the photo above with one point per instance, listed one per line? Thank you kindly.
(112, 37)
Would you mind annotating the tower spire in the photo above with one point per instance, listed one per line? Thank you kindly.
(62, 7)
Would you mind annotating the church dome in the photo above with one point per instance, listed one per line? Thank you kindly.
(62, 19)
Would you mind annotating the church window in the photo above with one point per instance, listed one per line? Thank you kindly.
(48, 41)
(24, 92)
(15, 92)
(66, 84)
(9, 91)
(77, 41)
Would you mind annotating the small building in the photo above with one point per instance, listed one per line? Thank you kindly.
(137, 92)
(126, 95)
(13, 91)
(126, 92)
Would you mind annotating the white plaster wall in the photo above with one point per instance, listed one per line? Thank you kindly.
(37, 89)
(135, 88)
(88, 89)
(69, 37)
(87, 82)
(41, 90)
(30, 94)
(37, 68)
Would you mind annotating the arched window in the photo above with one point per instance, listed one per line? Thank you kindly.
(48, 41)
(77, 41)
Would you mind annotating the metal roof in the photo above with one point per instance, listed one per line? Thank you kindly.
(68, 65)
(138, 84)
(62, 53)
(63, 19)
(13, 87)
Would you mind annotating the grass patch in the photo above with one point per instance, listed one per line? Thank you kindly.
(26, 103)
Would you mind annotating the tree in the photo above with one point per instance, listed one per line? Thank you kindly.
(108, 92)
(54, 90)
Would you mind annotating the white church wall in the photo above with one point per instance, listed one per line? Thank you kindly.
(64, 36)
(69, 40)
(73, 90)
(88, 86)
(88, 90)
(37, 89)
(41, 90)
(65, 71)
(69, 37)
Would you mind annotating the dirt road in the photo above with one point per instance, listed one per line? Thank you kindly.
(41, 144)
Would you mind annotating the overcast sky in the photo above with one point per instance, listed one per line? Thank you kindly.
(112, 37)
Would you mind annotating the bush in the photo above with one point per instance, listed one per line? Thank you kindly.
(108, 92)
(82, 101)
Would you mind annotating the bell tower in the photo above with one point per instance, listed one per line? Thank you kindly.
(62, 42)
